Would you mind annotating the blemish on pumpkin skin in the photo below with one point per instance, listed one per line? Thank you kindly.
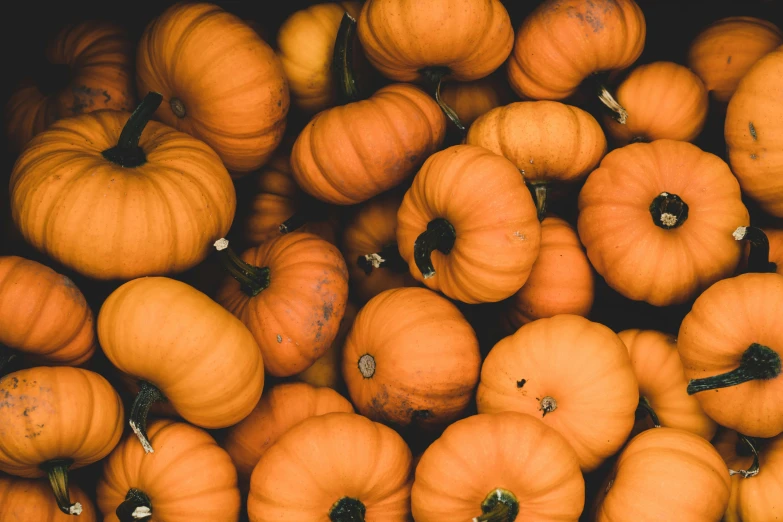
(279, 338)
(753, 156)
(521, 383)
(728, 60)
(752, 131)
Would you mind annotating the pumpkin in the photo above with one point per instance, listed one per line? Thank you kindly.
(666, 474)
(291, 293)
(563, 42)
(338, 467)
(327, 369)
(136, 485)
(220, 82)
(729, 345)
(657, 218)
(212, 372)
(472, 99)
(659, 372)
(753, 133)
(572, 373)
(348, 154)
(26, 500)
(56, 419)
(561, 281)
(494, 467)
(43, 315)
(722, 53)
(280, 408)
(110, 199)
(411, 359)
(369, 245)
(549, 142)
(467, 227)
(88, 67)
(663, 100)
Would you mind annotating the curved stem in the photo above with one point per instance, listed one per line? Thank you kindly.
(668, 211)
(759, 362)
(252, 279)
(500, 505)
(755, 467)
(645, 408)
(388, 257)
(539, 194)
(619, 114)
(758, 259)
(57, 471)
(440, 235)
(342, 61)
(347, 510)
(137, 506)
(127, 152)
(6, 356)
(433, 77)
(147, 395)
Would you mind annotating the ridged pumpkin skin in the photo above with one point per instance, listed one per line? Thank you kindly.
(659, 372)
(723, 52)
(725, 320)
(666, 474)
(99, 58)
(327, 369)
(111, 222)
(508, 450)
(561, 281)
(486, 201)
(212, 372)
(473, 99)
(56, 413)
(471, 38)
(580, 364)
(664, 100)
(188, 477)
(225, 81)
(280, 408)
(351, 153)
(754, 133)
(411, 358)
(627, 243)
(563, 42)
(43, 314)
(25, 500)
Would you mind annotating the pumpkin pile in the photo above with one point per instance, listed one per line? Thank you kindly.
(438, 261)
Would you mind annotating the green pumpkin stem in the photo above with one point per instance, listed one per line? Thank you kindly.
(619, 114)
(668, 211)
(754, 469)
(433, 77)
(6, 356)
(539, 195)
(759, 362)
(57, 471)
(500, 505)
(252, 279)
(342, 61)
(137, 506)
(127, 152)
(148, 394)
(440, 235)
(347, 510)
(388, 257)
(758, 259)
(646, 409)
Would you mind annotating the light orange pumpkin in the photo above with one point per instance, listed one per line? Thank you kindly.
(327, 369)
(26, 500)
(475, 98)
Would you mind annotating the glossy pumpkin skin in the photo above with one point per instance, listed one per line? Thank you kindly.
(563, 42)
(43, 314)
(725, 320)
(99, 59)
(627, 244)
(724, 52)
(351, 153)
(489, 206)
(561, 281)
(659, 372)
(671, 464)
(229, 81)
(411, 358)
(473, 99)
(594, 389)
(327, 369)
(664, 100)
(212, 374)
(25, 500)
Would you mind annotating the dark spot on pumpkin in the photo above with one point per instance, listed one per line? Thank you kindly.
(753, 156)
(32, 435)
(728, 60)
(14, 383)
(26, 412)
(752, 131)
(421, 415)
(521, 383)
(107, 96)
(279, 103)
(328, 310)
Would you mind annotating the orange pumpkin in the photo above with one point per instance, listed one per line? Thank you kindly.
(730, 346)
(112, 200)
(89, 68)
(25, 500)
(657, 218)
(327, 369)
(56, 419)
(220, 82)
(475, 98)
(468, 227)
(496, 466)
(340, 467)
(411, 358)
(212, 372)
(663, 100)
(722, 53)
(588, 395)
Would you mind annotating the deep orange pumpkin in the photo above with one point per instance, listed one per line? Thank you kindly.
(26, 500)
(327, 369)
(475, 98)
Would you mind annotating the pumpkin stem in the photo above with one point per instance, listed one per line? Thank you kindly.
(500, 505)
(539, 194)
(668, 211)
(433, 77)
(57, 471)
(754, 468)
(645, 408)
(440, 235)
(388, 257)
(548, 405)
(252, 279)
(137, 506)
(759, 362)
(347, 510)
(127, 152)
(758, 259)
(51, 78)
(147, 395)
(6, 356)
(342, 61)
(295, 222)
(619, 114)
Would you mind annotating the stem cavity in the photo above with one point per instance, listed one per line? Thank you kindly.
(500, 505)
(367, 365)
(388, 257)
(148, 394)
(619, 114)
(342, 61)
(57, 471)
(137, 506)
(668, 211)
(433, 77)
(547, 405)
(177, 107)
(645, 408)
(127, 152)
(754, 468)
(758, 259)
(440, 235)
(347, 509)
(252, 279)
(758, 362)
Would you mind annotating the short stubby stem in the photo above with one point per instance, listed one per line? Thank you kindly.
(754, 469)
(758, 362)
(137, 506)
(347, 509)
(668, 211)
(148, 394)
(547, 405)
(646, 409)
(539, 195)
(619, 114)
(388, 257)
(252, 279)
(367, 365)
(758, 259)
(440, 235)
(127, 153)
(433, 77)
(500, 505)
(57, 471)
(177, 107)
(342, 61)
